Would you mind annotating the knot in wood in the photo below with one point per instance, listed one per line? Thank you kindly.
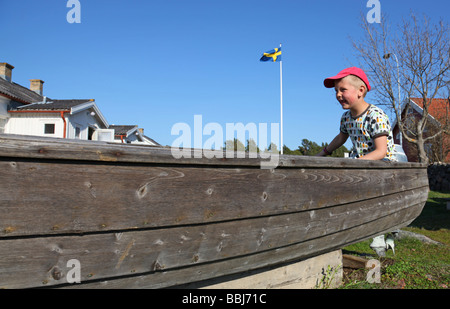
(142, 191)
(157, 266)
(57, 273)
(264, 196)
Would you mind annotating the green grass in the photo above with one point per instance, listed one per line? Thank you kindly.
(415, 265)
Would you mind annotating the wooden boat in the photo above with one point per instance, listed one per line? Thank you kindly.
(136, 217)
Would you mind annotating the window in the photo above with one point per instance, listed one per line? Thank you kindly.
(49, 128)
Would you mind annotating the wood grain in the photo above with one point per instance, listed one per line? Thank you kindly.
(137, 217)
(18, 146)
(81, 198)
(32, 262)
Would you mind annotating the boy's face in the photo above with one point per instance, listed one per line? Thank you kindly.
(347, 94)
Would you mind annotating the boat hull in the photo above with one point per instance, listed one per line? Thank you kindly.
(137, 217)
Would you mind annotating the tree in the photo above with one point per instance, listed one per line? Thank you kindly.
(288, 151)
(235, 145)
(272, 148)
(339, 152)
(422, 51)
(310, 148)
(251, 146)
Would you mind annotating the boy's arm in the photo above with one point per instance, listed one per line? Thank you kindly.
(337, 142)
(380, 149)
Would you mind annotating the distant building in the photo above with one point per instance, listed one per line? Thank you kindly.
(28, 112)
(76, 119)
(131, 134)
(437, 149)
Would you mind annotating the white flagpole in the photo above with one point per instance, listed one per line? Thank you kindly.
(281, 103)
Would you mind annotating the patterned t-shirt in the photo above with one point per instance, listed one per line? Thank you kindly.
(363, 129)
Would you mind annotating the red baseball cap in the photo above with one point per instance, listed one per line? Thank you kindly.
(329, 82)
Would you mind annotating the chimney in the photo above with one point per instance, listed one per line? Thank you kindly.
(37, 86)
(6, 71)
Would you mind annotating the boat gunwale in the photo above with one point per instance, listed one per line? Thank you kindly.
(36, 147)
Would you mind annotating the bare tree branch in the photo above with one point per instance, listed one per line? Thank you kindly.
(421, 70)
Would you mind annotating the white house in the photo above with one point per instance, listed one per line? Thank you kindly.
(131, 134)
(76, 119)
(13, 95)
(28, 112)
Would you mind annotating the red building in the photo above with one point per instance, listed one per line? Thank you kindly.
(438, 149)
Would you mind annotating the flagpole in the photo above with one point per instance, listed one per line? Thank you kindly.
(281, 103)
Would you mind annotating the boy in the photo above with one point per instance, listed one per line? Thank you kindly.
(367, 125)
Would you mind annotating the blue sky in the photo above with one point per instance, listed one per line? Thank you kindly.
(158, 63)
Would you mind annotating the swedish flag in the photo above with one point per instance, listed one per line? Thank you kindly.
(274, 55)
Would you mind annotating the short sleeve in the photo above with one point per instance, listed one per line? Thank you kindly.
(379, 123)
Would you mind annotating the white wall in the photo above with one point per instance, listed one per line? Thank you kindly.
(82, 120)
(34, 124)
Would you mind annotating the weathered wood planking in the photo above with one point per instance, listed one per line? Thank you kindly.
(137, 217)
(160, 255)
(29, 262)
(18, 146)
(81, 198)
(302, 250)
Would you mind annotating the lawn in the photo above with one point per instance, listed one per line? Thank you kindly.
(415, 264)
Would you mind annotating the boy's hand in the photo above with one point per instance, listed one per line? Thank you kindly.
(337, 142)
